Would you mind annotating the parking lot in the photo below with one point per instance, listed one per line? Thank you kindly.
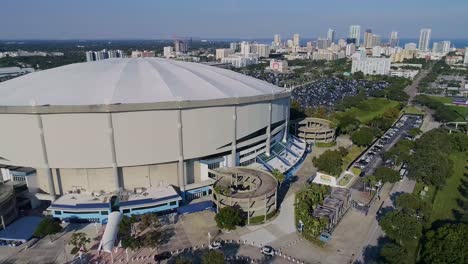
(372, 158)
(328, 92)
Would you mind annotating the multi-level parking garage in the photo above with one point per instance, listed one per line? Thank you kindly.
(129, 125)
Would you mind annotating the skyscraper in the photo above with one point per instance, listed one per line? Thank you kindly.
(465, 60)
(368, 39)
(375, 40)
(331, 35)
(446, 44)
(277, 40)
(394, 39)
(296, 40)
(424, 39)
(322, 43)
(355, 33)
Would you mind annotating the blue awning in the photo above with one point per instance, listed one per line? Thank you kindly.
(21, 229)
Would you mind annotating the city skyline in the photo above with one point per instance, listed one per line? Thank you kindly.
(164, 19)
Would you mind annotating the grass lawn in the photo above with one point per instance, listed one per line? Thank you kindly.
(462, 110)
(412, 110)
(442, 99)
(371, 108)
(353, 152)
(446, 198)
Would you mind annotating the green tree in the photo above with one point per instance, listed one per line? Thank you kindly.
(151, 239)
(401, 227)
(363, 137)
(347, 123)
(414, 132)
(278, 176)
(414, 205)
(401, 152)
(78, 240)
(392, 253)
(48, 226)
(329, 162)
(228, 218)
(447, 244)
(212, 257)
(385, 174)
(149, 221)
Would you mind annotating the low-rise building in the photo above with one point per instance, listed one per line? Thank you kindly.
(370, 65)
(279, 65)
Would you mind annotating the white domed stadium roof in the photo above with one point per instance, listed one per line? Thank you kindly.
(129, 81)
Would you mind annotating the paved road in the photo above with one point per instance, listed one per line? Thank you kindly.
(412, 90)
(375, 232)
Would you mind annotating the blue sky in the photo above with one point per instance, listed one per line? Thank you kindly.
(104, 19)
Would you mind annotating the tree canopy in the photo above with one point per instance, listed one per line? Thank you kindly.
(330, 161)
(228, 218)
(392, 253)
(401, 227)
(212, 257)
(363, 137)
(78, 240)
(48, 226)
(446, 245)
(385, 174)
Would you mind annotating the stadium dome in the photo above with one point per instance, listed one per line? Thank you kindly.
(122, 125)
(129, 81)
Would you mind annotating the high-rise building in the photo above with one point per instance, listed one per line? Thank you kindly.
(310, 46)
(262, 50)
(410, 46)
(103, 54)
(245, 48)
(168, 51)
(277, 40)
(437, 47)
(465, 61)
(331, 35)
(296, 40)
(446, 45)
(181, 46)
(424, 39)
(234, 46)
(355, 33)
(290, 43)
(368, 39)
(350, 49)
(322, 43)
(223, 53)
(375, 41)
(394, 39)
(89, 56)
(342, 43)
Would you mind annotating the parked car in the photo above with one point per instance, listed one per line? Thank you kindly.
(163, 256)
(267, 250)
(215, 245)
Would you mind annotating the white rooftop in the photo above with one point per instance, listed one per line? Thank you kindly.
(129, 80)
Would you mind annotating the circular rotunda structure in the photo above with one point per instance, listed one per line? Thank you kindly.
(251, 190)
